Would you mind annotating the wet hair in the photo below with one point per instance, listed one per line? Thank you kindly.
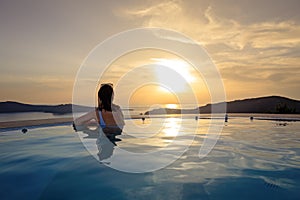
(105, 94)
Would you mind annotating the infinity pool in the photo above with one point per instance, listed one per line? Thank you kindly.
(251, 160)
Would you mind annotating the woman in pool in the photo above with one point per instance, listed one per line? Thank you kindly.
(107, 114)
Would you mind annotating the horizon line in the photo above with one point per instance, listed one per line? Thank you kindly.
(70, 103)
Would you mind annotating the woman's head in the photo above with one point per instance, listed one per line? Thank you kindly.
(105, 97)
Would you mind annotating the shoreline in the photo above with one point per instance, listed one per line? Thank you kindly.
(35, 122)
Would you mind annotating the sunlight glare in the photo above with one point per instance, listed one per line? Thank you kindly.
(171, 106)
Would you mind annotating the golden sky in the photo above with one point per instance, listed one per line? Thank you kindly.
(254, 44)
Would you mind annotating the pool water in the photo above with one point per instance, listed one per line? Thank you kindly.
(251, 160)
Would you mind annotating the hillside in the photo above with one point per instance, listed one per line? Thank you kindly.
(12, 107)
(269, 104)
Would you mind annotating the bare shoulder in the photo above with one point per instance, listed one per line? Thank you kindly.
(115, 107)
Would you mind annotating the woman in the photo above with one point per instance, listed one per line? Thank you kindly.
(108, 115)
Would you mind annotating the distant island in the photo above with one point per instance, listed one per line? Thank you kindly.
(269, 104)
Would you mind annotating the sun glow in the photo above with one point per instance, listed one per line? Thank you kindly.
(152, 94)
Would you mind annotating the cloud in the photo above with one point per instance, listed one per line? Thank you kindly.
(212, 29)
(265, 49)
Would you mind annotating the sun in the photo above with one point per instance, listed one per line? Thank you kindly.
(180, 66)
(173, 74)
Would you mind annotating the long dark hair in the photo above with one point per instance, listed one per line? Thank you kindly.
(105, 94)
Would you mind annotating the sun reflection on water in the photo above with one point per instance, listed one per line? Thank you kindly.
(171, 127)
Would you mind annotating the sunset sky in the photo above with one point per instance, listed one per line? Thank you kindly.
(254, 44)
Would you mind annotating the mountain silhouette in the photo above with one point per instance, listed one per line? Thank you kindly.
(269, 104)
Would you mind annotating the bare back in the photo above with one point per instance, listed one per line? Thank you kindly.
(108, 118)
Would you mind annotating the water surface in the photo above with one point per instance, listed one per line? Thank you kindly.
(251, 160)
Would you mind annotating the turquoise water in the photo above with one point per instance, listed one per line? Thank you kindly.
(252, 160)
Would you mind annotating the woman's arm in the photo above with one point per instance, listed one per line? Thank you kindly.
(86, 118)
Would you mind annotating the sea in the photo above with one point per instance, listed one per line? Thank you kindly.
(164, 157)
